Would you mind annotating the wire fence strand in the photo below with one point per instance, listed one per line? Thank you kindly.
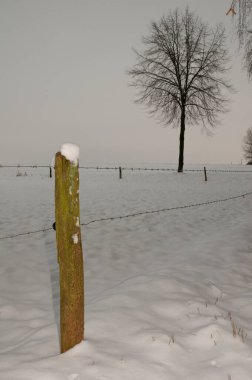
(165, 209)
(147, 212)
(130, 168)
(26, 233)
(25, 166)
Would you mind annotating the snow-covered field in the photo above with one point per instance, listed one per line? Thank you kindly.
(167, 295)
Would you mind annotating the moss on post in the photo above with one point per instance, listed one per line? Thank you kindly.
(69, 249)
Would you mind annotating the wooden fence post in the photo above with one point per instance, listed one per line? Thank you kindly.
(205, 173)
(69, 249)
(120, 172)
(50, 174)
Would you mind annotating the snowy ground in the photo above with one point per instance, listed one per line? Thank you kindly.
(167, 295)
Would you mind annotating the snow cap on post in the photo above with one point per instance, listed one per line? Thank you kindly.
(70, 152)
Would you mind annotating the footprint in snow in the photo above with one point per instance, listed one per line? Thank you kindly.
(73, 376)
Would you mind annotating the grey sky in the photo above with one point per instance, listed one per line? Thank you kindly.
(63, 79)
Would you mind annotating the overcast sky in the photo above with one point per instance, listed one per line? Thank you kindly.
(63, 79)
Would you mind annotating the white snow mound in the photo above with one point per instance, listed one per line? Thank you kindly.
(71, 152)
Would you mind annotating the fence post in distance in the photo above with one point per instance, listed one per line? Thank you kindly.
(205, 173)
(120, 172)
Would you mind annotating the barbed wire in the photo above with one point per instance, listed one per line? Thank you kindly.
(166, 209)
(130, 168)
(218, 170)
(26, 233)
(189, 170)
(134, 215)
(25, 166)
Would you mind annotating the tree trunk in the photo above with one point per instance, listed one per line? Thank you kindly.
(181, 141)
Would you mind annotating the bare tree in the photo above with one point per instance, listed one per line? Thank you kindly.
(180, 72)
(242, 10)
(247, 145)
